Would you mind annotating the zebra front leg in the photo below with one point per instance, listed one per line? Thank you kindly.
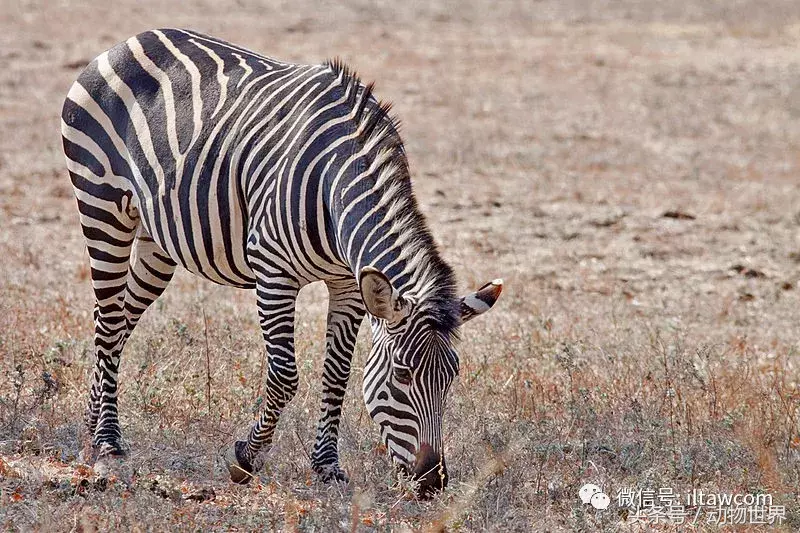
(345, 313)
(276, 304)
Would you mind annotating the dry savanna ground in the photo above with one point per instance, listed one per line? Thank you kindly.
(630, 168)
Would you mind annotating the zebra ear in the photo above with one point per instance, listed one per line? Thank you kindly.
(480, 301)
(380, 298)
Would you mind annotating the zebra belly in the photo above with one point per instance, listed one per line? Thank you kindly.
(202, 233)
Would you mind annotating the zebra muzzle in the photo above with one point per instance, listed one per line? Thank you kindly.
(430, 471)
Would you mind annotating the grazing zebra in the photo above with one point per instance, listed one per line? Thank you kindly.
(254, 173)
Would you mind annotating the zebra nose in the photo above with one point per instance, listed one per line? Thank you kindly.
(429, 471)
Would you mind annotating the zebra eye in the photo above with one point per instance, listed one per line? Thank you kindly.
(402, 374)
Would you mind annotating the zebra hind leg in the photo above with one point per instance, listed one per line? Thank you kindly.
(151, 270)
(345, 313)
(119, 306)
(109, 242)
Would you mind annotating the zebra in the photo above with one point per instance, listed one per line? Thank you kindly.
(184, 149)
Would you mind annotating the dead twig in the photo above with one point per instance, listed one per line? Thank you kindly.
(208, 362)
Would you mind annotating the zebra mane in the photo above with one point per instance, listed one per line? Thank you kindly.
(434, 287)
(367, 118)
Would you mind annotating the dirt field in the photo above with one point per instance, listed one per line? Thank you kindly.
(630, 169)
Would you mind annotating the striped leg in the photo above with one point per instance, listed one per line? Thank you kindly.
(147, 274)
(109, 260)
(276, 304)
(150, 272)
(345, 313)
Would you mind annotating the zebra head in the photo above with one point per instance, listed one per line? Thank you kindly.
(409, 371)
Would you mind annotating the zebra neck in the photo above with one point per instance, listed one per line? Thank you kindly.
(377, 224)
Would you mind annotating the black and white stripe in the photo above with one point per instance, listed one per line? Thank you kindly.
(187, 150)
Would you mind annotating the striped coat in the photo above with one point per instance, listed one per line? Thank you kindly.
(254, 173)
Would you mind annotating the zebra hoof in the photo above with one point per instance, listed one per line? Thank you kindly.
(332, 474)
(111, 450)
(240, 470)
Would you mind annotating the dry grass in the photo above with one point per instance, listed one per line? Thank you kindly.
(548, 140)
